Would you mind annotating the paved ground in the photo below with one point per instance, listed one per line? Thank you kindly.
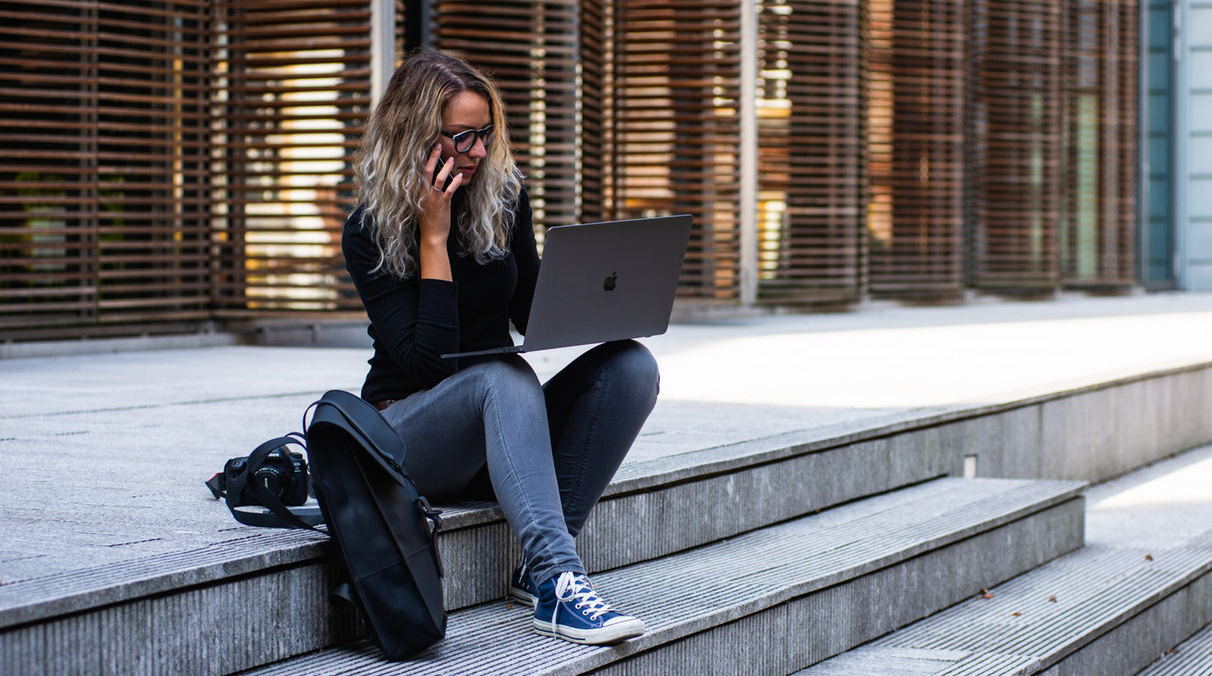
(102, 457)
(1162, 506)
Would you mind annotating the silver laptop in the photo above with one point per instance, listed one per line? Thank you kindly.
(603, 281)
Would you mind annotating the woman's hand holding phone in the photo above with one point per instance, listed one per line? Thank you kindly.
(437, 178)
(436, 201)
(441, 172)
(435, 215)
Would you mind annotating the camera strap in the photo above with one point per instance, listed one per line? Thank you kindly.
(279, 515)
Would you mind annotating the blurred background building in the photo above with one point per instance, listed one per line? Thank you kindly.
(179, 165)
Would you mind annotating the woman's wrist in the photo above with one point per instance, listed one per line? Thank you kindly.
(433, 242)
(435, 262)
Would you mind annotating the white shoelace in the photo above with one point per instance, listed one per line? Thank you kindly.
(570, 586)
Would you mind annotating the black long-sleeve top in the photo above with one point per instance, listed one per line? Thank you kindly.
(414, 321)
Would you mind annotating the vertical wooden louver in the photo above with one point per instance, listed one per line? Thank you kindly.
(531, 49)
(811, 173)
(291, 93)
(1015, 136)
(595, 59)
(917, 76)
(1099, 147)
(103, 208)
(676, 88)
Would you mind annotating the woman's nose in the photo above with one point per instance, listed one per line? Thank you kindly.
(478, 149)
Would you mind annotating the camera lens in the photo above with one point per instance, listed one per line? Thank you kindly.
(272, 478)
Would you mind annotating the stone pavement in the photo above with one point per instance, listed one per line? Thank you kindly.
(1163, 506)
(102, 456)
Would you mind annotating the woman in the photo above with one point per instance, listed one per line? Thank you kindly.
(443, 255)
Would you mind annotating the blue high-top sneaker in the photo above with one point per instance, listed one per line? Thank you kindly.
(570, 609)
(521, 587)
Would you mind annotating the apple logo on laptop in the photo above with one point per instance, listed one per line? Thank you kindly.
(611, 282)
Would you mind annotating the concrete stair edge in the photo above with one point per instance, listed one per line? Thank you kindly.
(1100, 609)
(609, 540)
(815, 564)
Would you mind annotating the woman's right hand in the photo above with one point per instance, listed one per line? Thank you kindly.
(435, 217)
(435, 205)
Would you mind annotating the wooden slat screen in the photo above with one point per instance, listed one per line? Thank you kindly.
(1098, 226)
(170, 162)
(292, 91)
(1015, 164)
(811, 193)
(531, 49)
(103, 207)
(676, 133)
(917, 74)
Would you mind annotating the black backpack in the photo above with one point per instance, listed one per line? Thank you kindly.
(384, 530)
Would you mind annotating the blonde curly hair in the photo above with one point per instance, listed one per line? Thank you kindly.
(397, 141)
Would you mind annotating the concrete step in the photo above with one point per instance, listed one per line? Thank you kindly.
(1192, 657)
(1100, 610)
(813, 586)
(149, 609)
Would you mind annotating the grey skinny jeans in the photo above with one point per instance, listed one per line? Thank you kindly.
(548, 450)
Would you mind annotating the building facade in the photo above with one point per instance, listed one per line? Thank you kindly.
(175, 163)
(1178, 137)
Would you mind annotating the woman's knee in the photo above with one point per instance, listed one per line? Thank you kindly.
(511, 377)
(632, 363)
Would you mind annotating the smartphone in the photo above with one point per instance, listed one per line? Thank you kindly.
(437, 169)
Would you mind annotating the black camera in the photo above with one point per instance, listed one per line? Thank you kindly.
(282, 472)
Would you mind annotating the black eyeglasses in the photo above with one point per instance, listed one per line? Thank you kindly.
(464, 140)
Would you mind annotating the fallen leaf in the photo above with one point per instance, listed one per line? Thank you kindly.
(1017, 614)
(1051, 599)
(986, 594)
(1148, 557)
